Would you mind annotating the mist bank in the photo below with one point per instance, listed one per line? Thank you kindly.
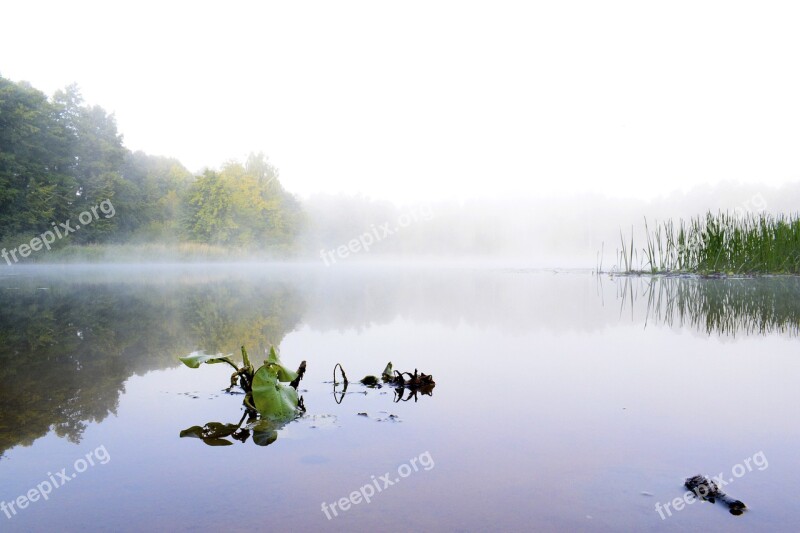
(565, 231)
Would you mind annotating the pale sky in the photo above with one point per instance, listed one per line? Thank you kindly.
(417, 100)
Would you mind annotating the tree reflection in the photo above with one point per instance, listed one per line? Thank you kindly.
(66, 352)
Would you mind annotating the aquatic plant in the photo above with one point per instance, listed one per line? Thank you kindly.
(418, 382)
(721, 243)
(269, 402)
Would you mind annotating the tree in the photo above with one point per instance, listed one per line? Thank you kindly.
(35, 184)
(60, 158)
(242, 205)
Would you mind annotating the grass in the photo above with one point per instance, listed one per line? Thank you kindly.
(720, 243)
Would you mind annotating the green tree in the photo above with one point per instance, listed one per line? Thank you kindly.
(36, 186)
(97, 155)
(157, 186)
(242, 205)
(61, 157)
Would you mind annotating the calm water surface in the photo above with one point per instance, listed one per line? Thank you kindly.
(562, 401)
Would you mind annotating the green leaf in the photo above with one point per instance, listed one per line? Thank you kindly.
(215, 430)
(196, 359)
(271, 399)
(218, 442)
(194, 432)
(245, 359)
(387, 372)
(283, 374)
(275, 366)
(212, 433)
(212, 430)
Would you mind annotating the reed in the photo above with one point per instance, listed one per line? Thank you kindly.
(721, 243)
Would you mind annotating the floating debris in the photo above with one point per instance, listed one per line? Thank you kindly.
(390, 418)
(706, 489)
(415, 383)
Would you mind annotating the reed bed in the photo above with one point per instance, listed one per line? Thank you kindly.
(721, 243)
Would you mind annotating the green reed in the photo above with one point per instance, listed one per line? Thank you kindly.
(721, 243)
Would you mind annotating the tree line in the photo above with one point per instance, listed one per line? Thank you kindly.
(60, 157)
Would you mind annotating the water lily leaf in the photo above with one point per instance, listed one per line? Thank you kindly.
(194, 431)
(271, 399)
(273, 356)
(386, 375)
(283, 374)
(275, 366)
(196, 359)
(218, 442)
(212, 430)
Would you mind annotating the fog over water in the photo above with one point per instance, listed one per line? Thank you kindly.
(559, 231)
(540, 375)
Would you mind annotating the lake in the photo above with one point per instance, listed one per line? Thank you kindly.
(563, 400)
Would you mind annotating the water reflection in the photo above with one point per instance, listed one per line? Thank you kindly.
(722, 306)
(67, 348)
(598, 403)
(402, 393)
(263, 431)
(71, 339)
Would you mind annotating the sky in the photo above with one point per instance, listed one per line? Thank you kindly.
(437, 100)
